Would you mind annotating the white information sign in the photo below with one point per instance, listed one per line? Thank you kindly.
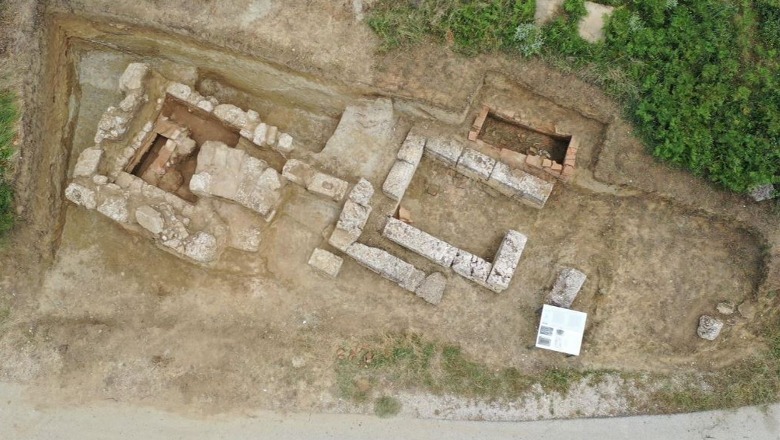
(561, 330)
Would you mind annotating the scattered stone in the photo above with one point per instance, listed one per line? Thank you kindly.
(88, 162)
(747, 309)
(201, 247)
(520, 185)
(709, 327)
(398, 180)
(412, 149)
(81, 195)
(298, 172)
(446, 150)
(506, 260)
(328, 186)
(285, 144)
(387, 265)
(231, 114)
(133, 77)
(726, 308)
(98, 179)
(149, 219)
(420, 242)
(591, 28)
(763, 192)
(362, 192)
(566, 287)
(115, 208)
(432, 288)
(325, 262)
(471, 267)
(476, 165)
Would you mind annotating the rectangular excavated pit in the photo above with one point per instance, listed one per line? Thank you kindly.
(503, 134)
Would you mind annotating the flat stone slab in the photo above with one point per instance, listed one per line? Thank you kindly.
(328, 186)
(326, 262)
(353, 217)
(709, 327)
(566, 288)
(398, 180)
(88, 162)
(362, 192)
(412, 149)
(201, 247)
(520, 185)
(445, 149)
(420, 242)
(389, 266)
(476, 165)
(298, 172)
(591, 28)
(432, 288)
(506, 260)
(81, 195)
(150, 219)
(471, 267)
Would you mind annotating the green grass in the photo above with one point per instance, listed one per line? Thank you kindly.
(699, 78)
(386, 406)
(8, 117)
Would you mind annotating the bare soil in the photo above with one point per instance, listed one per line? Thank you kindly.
(97, 313)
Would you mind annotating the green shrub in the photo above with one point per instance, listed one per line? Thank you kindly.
(8, 116)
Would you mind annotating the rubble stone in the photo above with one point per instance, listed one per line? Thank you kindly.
(709, 327)
(432, 288)
(362, 192)
(115, 208)
(476, 165)
(88, 162)
(506, 260)
(133, 77)
(471, 267)
(420, 242)
(387, 265)
(726, 308)
(131, 102)
(179, 90)
(328, 186)
(285, 143)
(260, 134)
(353, 217)
(566, 288)
(411, 150)
(231, 114)
(81, 195)
(325, 262)
(201, 247)
(298, 172)
(149, 219)
(112, 125)
(444, 149)
(763, 192)
(99, 179)
(398, 179)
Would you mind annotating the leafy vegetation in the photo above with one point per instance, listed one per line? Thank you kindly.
(8, 116)
(703, 75)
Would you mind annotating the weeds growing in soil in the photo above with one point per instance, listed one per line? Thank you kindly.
(387, 406)
(700, 78)
(8, 116)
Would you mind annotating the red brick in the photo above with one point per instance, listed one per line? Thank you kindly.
(473, 135)
(556, 167)
(533, 161)
(546, 163)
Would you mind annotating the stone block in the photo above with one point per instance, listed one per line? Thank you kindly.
(709, 327)
(260, 134)
(471, 267)
(398, 180)
(231, 114)
(298, 172)
(432, 288)
(325, 262)
(476, 165)
(520, 185)
(179, 90)
(342, 239)
(506, 260)
(353, 217)
(201, 247)
(591, 27)
(387, 265)
(328, 186)
(566, 288)
(411, 150)
(112, 125)
(133, 77)
(81, 195)
(205, 105)
(271, 135)
(285, 143)
(88, 162)
(131, 102)
(99, 179)
(362, 192)
(420, 242)
(444, 149)
(763, 192)
(512, 158)
(114, 206)
(149, 219)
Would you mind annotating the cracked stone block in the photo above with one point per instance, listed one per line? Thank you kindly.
(285, 143)
(298, 172)
(709, 327)
(231, 114)
(133, 77)
(179, 90)
(112, 125)
(520, 185)
(149, 219)
(342, 239)
(411, 150)
(432, 288)
(260, 134)
(81, 195)
(115, 208)
(328, 186)
(506, 260)
(476, 165)
(566, 288)
(201, 247)
(131, 102)
(325, 262)
(398, 180)
(444, 149)
(420, 242)
(362, 192)
(471, 267)
(391, 267)
(353, 217)
(88, 162)
(591, 27)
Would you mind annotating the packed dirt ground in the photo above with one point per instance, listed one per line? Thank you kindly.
(93, 312)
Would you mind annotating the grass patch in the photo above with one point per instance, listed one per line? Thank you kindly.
(8, 117)
(387, 406)
(699, 78)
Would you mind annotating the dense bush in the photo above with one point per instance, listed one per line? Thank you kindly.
(704, 74)
(8, 115)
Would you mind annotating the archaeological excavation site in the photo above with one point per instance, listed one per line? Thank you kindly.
(252, 206)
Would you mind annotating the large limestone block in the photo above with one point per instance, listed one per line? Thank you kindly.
(506, 260)
(412, 149)
(325, 262)
(471, 267)
(88, 162)
(591, 28)
(328, 186)
(398, 180)
(362, 192)
(520, 185)
(133, 77)
(566, 288)
(476, 165)
(387, 265)
(447, 150)
(81, 195)
(420, 242)
(150, 219)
